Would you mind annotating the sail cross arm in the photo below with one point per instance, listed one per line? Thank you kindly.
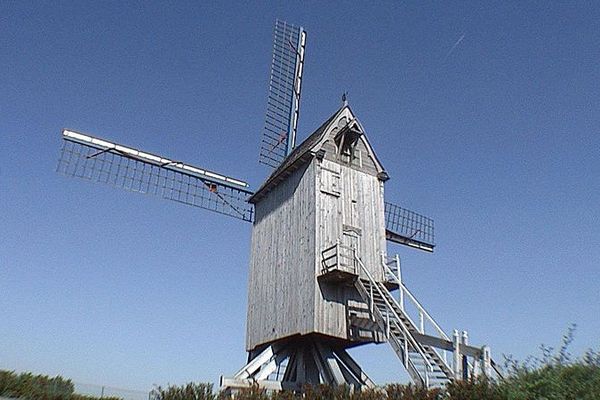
(409, 228)
(99, 160)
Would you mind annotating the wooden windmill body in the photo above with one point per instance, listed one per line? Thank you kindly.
(329, 190)
(320, 280)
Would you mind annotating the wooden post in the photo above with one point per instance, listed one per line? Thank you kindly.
(401, 285)
(371, 305)
(457, 361)
(486, 361)
(337, 253)
(405, 351)
(465, 361)
(387, 324)
(401, 297)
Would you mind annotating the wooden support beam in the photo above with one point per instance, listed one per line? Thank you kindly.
(396, 238)
(353, 366)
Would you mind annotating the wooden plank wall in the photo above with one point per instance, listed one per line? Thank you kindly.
(282, 261)
(298, 219)
(357, 208)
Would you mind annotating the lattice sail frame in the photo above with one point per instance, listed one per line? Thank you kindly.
(98, 160)
(408, 227)
(283, 101)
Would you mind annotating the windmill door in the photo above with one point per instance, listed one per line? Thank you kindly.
(350, 248)
(351, 229)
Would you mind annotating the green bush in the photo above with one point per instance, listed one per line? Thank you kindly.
(410, 392)
(39, 387)
(27, 386)
(554, 375)
(84, 397)
(256, 393)
(190, 391)
(474, 389)
(555, 382)
(325, 392)
(285, 395)
(368, 394)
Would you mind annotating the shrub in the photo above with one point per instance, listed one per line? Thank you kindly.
(27, 386)
(84, 397)
(368, 394)
(575, 381)
(474, 389)
(326, 392)
(554, 375)
(410, 392)
(190, 391)
(285, 395)
(39, 387)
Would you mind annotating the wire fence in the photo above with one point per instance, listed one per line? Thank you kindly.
(101, 391)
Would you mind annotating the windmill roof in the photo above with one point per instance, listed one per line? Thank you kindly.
(299, 154)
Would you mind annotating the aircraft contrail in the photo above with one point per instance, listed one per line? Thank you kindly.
(455, 44)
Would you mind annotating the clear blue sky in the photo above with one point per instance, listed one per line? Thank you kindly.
(496, 138)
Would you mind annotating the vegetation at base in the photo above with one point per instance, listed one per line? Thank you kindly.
(40, 387)
(405, 392)
(190, 391)
(553, 376)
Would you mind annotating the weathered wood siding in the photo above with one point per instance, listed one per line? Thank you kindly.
(358, 211)
(282, 261)
(327, 199)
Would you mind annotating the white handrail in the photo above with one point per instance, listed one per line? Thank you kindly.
(429, 317)
(422, 312)
(421, 309)
(391, 308)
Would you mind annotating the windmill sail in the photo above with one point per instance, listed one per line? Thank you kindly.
(408, 228)
(283, 102)
(98, 160)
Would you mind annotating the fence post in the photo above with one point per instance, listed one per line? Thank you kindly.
(371, 303)
(399, 268)
(465, 361)
(457, 361)
(486, 361)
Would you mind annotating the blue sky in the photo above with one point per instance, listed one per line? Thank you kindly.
(496, 138)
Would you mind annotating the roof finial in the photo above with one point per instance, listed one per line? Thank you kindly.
(345, 98)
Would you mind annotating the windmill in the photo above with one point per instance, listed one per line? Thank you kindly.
(320, 279)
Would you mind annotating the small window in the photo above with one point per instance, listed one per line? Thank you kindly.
(346, 155)
(357, 158)
(352, 156)
(330, 182)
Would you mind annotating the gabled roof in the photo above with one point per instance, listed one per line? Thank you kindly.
(303, 153)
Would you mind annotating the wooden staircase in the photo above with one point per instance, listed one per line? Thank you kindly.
(422, 361)
(431, 358)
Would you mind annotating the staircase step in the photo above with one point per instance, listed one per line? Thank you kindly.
(389, 309)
